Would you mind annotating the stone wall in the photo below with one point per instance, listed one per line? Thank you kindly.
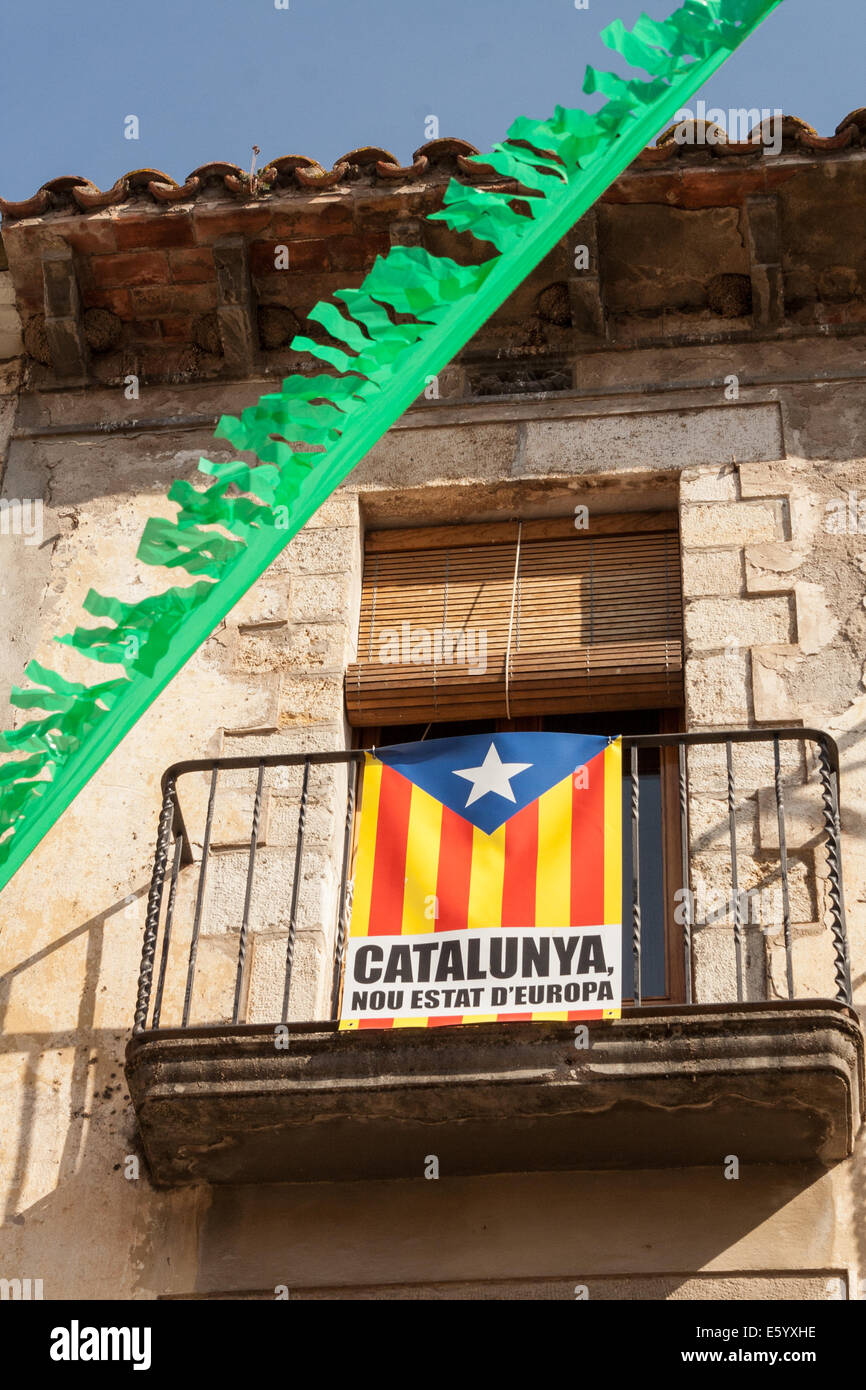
(760, 569)
(774, 628)
(295, 633)
(11, 341)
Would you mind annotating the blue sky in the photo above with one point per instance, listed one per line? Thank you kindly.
(207, 79)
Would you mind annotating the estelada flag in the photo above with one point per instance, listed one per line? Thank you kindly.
(504, 842)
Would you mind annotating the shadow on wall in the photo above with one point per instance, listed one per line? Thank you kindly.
(97, 1233)
(625, 1235)
(68, 1129)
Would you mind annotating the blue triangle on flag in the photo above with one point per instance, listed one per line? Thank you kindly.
(488, 778)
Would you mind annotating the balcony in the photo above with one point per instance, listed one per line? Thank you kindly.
(739, 1037)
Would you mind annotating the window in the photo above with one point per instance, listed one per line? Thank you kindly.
(519, 618)
(595, 647)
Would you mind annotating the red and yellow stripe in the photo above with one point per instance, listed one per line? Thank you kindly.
(420, 867)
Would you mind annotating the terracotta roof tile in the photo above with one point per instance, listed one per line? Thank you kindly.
(315, 176)
(369, 162)
(172, 192)
(855, 118)
(89, 197)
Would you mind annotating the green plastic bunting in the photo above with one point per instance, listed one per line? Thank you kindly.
(376, 370)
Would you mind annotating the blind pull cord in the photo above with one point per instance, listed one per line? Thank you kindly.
(442, 638)
(511, 622)
(373, 609)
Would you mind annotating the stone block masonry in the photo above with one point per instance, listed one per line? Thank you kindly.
(603, 387)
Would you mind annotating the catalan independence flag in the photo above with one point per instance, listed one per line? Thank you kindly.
(487, 882)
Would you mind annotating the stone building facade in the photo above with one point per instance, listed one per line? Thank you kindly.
(705, 356)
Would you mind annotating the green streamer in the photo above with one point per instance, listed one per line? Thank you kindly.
(565, 163)
(143, 631)
(487, 215)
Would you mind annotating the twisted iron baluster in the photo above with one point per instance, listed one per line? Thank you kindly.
(242, 940)
(296, 888)
(686, 868)
(735, 879)
(166, 931)
(635, 874)
(199, 897)
(830, 799)
(340, 944)
(783, 866)
(154, 907)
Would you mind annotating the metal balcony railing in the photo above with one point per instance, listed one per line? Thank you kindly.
(755, 810)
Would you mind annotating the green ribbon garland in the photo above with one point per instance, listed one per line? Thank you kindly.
(564, 163)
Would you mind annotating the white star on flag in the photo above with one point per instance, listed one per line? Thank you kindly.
(492, 776)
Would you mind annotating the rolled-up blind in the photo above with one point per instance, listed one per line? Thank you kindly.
(519, 618)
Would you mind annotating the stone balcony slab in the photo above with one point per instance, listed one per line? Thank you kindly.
(661, 1087)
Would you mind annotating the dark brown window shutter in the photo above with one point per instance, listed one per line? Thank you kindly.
(582, 620)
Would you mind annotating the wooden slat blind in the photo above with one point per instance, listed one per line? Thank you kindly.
(595, 618)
